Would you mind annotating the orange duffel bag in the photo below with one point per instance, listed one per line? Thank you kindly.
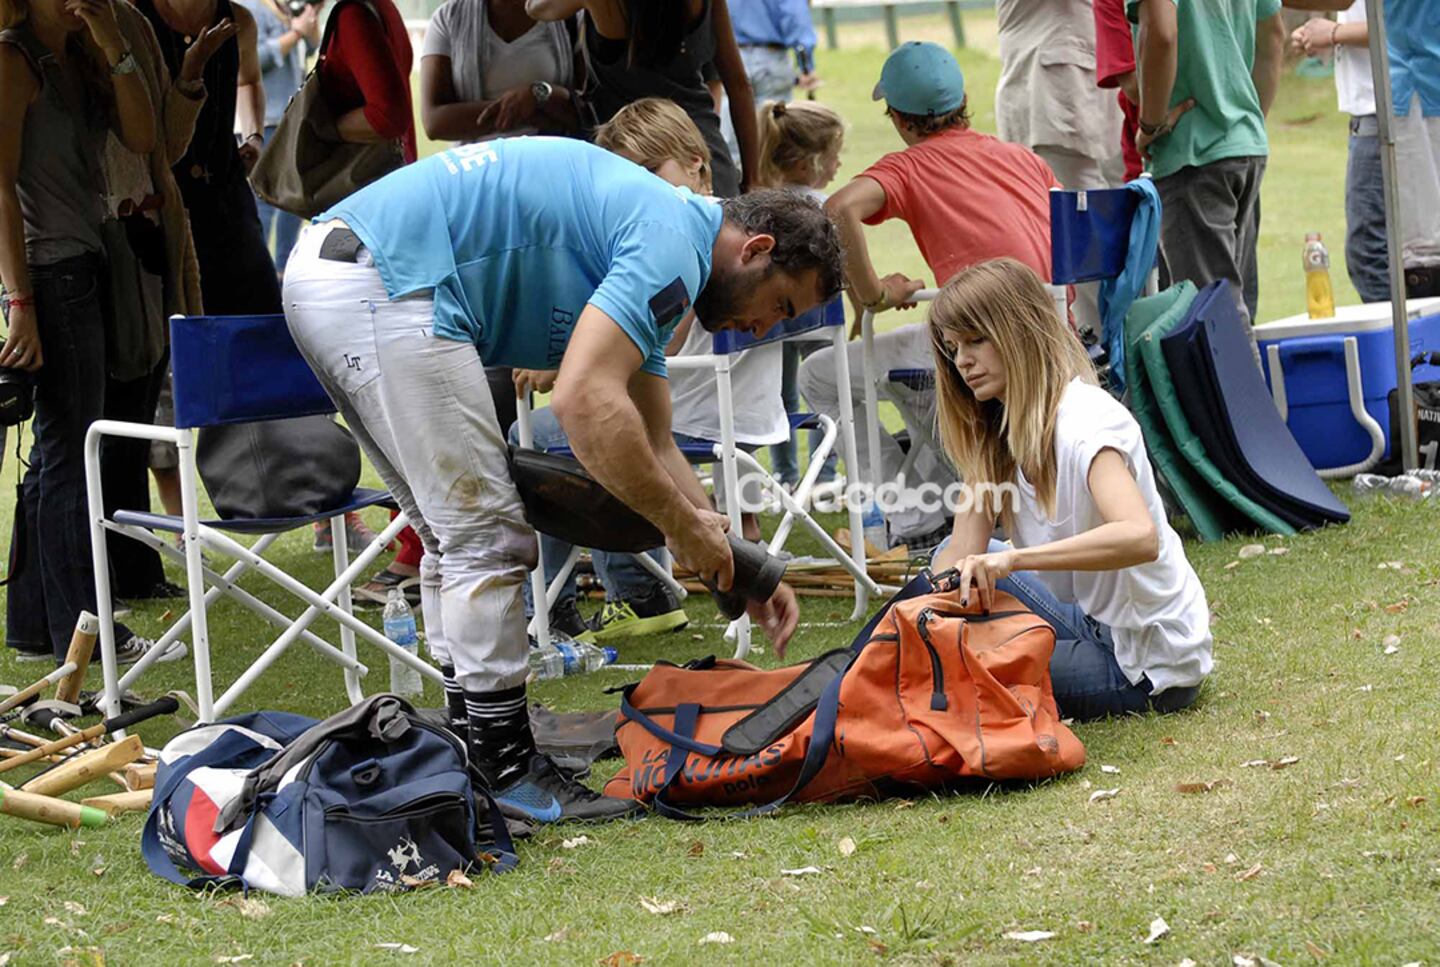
(929, 693)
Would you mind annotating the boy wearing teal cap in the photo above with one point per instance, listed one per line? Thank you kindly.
(967, 197)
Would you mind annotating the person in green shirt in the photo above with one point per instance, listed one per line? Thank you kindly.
(1208, 71)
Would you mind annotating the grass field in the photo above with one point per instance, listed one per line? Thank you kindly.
(1335, 858)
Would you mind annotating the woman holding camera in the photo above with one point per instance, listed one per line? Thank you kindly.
(280, 27)
(67, 74)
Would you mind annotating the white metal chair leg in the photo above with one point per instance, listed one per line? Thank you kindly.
(540, 622)
(340, 538)
(849, 454)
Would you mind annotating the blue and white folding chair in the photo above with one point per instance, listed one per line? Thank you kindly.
(233, 369)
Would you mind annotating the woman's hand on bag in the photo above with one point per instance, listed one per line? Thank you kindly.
(985, 571)
(777, 617)
(250, 151)
(22, 346)
(533, 381)
(199, 53)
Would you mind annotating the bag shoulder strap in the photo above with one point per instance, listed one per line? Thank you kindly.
(334, 19)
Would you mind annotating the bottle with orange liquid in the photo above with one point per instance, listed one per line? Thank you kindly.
(1319, 296)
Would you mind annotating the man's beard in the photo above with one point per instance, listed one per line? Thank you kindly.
(720, 301)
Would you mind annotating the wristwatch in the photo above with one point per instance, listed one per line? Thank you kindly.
(1153, 129)
(541, 91)
(125, 65)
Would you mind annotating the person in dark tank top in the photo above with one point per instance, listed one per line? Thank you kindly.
(237, 274)
(661, 48)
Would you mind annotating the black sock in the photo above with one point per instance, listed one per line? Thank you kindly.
(455, 703)
(500, 739)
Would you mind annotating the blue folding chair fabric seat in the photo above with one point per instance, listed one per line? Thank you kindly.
(1227, 404)
(362, 498)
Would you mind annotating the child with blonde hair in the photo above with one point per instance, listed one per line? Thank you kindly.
(800, 144)
(1062, 465)
(655, 134)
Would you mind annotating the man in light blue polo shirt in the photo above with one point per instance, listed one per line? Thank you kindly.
(534, 253)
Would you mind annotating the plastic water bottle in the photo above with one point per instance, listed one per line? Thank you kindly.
(1404, 485)
(873, 523)
(1319, 296)
(560, 658)
(405, 679)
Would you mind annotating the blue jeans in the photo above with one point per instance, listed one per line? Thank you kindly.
(622, 575)
(1087, 680)
(1366, 257)
(54, 578)
(287, 226)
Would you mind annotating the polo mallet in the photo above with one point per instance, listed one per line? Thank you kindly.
(564, 501)
(124, 720)
(86, 767)
(53, 716)
(36, 687)
(47, 809)
(82, 647)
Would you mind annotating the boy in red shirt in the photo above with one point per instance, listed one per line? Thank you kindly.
(967, 197)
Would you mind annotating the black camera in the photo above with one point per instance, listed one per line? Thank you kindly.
(17, 395)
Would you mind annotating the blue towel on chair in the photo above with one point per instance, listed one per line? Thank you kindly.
(1118, 293)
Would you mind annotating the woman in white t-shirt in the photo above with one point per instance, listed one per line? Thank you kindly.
(1072, 485)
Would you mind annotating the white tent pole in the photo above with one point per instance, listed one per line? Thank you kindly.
(1380, 68)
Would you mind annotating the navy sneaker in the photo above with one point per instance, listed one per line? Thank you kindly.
(544, 795)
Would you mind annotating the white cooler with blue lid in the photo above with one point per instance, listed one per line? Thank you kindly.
(1316, 367)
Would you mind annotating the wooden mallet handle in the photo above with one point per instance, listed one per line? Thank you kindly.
(47, 809)
(86, 767)
(82, 646)
(124, 720)
(30, 691)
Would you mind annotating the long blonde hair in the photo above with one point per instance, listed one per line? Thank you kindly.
(795, 136)
(655, 130)
(1006, 303)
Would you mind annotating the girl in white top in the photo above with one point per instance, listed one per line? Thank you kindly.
(1092, 550)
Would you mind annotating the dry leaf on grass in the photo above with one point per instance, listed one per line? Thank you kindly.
(1194, 787)
(1250, 550)
(1158, 929)
(416, 883)
(1252, 960)
(802, 871)
(846, 846)
(236, 959)
(4, 900)
(717, 936)
(1416, 801)
(73, 908)
(5, 958)
(99, 871)
(1029, 936)
(247, 907)
(659, 907)
(399, 948)
(1284, 762)
(1209, 868)
(458, 879)
(1316, 951)
(1278, 551)
(1391, 643)
(576, 841)
(557, 936)
(621, 958)
(1249, 874)
(1232, 565)
(20, 861)
(1399, 607)
(1084, 926)
(1187, 962)
(1110, 770)
(1168, 740)
(1100, 795)
(697, 848)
